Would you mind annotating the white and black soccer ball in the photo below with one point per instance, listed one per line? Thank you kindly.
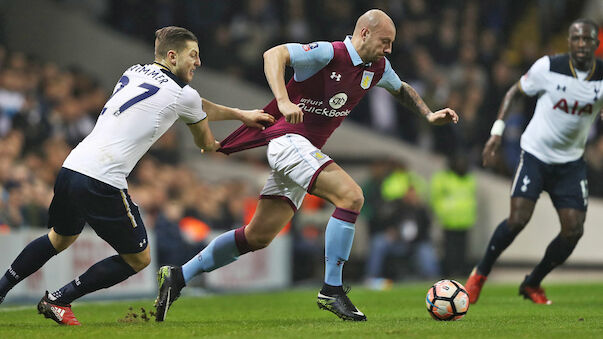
(447, 300)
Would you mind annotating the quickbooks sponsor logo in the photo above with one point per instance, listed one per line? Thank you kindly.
(315, 106)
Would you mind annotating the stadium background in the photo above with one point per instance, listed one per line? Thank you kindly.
(60, 59)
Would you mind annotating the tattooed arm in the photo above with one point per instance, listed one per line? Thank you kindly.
(409, 98)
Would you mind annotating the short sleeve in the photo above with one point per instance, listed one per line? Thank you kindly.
(190, 108)
(534, 81)
(308, 59)
(390, 80)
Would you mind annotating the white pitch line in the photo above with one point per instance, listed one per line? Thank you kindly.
(16, 308)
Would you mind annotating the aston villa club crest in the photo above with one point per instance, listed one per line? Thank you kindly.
(367, 78)
(317, 154)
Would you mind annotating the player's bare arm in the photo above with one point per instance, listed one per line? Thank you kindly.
(493, 144)
(204, 138)
(275, 60)
(252, 118)
(408, 97)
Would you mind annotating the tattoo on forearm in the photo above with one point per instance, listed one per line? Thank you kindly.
(411, 99)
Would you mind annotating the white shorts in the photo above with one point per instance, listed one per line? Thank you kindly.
(295, 164)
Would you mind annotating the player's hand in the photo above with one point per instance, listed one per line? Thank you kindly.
(293, 113)
(489, 153)
(256, 118)
(442, 117)
(212, 147)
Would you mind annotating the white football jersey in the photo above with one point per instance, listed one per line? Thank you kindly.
(566, 108)
(146, 101)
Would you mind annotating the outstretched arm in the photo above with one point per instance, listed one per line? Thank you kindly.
(204, 138)
(493, 144)
(409, 98)
(275, 60)
(253, 118)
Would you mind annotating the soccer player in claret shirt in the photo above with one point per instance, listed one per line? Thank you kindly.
(569, 99)
(330, 79)
(91, 186)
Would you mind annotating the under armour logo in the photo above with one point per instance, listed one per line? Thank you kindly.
(562, 88)
(335, 76)
(144, 241)
(596, 94)
(526, 182)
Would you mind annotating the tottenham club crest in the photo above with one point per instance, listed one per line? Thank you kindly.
(367, 78)
(338, 100)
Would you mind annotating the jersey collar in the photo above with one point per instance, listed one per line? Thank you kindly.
(356, 59)
(169, 73)
(590, 74)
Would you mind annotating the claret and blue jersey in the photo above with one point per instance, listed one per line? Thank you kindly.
(330, 79)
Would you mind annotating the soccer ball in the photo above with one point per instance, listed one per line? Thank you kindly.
(447, 300)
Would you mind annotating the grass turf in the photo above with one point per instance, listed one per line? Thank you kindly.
(400, 312)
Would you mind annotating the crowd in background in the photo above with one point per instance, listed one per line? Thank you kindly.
(460, 54)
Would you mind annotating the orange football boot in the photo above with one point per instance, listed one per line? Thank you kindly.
(536, 294)
(474, 285)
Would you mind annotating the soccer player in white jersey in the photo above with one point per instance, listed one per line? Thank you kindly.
(568, 88)
(91, 186)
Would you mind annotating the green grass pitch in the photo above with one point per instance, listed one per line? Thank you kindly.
(576, 312)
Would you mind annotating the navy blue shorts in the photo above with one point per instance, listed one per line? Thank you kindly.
(108, 210)
(566, 183)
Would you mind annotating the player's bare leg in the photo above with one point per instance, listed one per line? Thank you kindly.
(269, 219)
(505, 233)
(336, 186)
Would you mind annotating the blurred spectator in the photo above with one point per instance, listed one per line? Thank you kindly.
(399, 224)
(454, 202)
(400, 180)
(174, 249)
(404, 241)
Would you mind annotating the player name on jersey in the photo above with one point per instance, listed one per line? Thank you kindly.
(152, 72)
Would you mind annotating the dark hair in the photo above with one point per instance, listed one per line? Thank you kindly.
(587, 22)
(171, 38)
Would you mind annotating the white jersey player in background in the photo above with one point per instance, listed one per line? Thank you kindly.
(569, 100)
(91, 186)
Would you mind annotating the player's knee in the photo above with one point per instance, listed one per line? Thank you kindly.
(259, 241)
(517, 221)
(353, 198)
(139, 261)
(573, 233)
(60, 242)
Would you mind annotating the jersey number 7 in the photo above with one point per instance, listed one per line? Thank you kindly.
(123, 82)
